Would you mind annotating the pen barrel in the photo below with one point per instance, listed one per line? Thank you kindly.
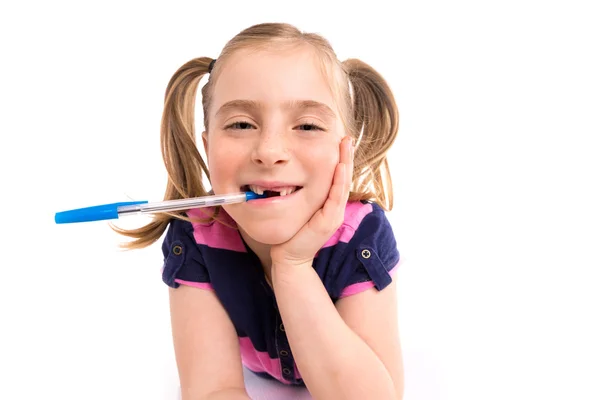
(183, 204)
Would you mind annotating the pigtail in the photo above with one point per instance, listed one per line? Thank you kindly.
(181, 157)
(375, 116)
(178, 137)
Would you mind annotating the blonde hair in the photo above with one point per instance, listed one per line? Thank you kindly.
(366, 103)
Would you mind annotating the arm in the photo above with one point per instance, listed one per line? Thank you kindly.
(206, 347)
(347, 353)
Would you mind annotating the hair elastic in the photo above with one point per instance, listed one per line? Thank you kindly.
(211, 65)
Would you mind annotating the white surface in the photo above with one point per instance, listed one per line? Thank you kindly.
(264, 389)
(495, 171)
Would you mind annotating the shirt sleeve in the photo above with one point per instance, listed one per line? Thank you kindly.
(183, 261)
(372, 256)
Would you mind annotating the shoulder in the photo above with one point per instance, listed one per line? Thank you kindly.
(361, 220)
(178, 231)
(363, 249)
(188, 246)
(375, 233)
(200, 225)
(217, 230)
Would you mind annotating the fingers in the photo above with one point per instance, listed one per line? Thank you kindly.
(350, 165)
(347, 159)
(346, 149)
(336, 199)
(335, 206)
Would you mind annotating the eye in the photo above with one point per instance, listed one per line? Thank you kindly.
(242, 125)
(309, 127)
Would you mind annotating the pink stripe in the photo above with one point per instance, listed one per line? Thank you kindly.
(215, 234)
(199, 285)
(259, 361)
(362, 286)
(354, 214)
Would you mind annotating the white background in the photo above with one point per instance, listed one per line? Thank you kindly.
(496, 173)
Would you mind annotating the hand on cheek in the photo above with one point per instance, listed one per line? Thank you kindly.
(303, 246)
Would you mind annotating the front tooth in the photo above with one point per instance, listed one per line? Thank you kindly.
(256, 189)
(288, 190)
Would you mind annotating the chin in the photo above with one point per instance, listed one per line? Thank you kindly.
(270, 233)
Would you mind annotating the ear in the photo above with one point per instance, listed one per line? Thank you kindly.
(205, 143)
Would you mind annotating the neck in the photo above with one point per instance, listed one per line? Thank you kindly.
(262, 251)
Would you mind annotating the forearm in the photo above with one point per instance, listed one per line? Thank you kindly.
(335, 362)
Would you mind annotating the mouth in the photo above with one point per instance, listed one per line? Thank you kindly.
(278, 191)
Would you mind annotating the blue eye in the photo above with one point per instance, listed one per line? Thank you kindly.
(242, 125)
(309, 127)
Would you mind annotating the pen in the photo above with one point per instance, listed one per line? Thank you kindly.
(115, 210)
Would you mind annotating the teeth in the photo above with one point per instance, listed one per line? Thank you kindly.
(256, 189)
(282, 191)
(286, 191)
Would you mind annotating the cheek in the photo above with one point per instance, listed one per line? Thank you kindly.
(322, 161)
(223, 163)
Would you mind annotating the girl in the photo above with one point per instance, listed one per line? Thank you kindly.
(297, 286)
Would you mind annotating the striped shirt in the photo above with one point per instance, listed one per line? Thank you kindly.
(213, 256)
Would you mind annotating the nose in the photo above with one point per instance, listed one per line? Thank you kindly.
(271, 149)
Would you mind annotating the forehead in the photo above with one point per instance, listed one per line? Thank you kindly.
(272, 77)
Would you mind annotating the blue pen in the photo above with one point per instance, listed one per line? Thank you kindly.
(115, 210)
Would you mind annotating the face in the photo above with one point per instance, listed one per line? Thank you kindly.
(273, 126)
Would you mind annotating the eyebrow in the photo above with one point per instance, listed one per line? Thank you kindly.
(297, 104)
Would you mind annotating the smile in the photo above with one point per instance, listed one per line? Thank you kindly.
(278, 191)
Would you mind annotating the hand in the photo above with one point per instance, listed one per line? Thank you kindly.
(301, 248)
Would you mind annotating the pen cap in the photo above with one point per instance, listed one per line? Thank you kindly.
(96, 213)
